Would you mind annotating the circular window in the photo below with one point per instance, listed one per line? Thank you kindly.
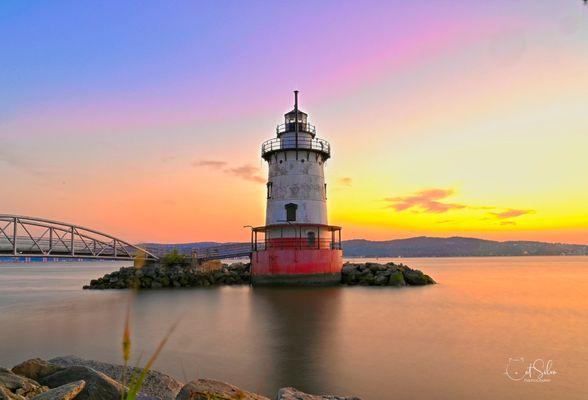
(280, 161)
(301, 160)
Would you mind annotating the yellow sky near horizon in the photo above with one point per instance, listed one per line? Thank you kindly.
(477, 127)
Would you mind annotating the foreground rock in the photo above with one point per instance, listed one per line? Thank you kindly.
(35, 369)
(390, 274)
(157, 385)
(98, 385)
(68, 391)
(291, 393)
(156, 276)
(205, 389)
(68, 380)
(13, 386)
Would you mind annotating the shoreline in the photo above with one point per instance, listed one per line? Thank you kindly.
(32, 260)
(71, 377)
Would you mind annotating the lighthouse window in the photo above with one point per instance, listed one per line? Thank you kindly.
(269, 190)
(311, 238)
(291, 212)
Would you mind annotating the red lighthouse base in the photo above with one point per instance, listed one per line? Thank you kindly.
(295, 266)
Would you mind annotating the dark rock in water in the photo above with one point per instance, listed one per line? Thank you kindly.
(98, 385)
(390, 274)
(156, 385)
(157, 276)
(15, 385)
(66, 392)
(290, 393)
(396, 279)
(415, 277)
(35, 368)
(205, 389)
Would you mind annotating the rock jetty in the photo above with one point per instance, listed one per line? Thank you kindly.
(390, 274)
(69, 378)
(157, 276)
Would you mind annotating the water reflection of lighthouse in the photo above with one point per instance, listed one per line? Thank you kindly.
(296, 245)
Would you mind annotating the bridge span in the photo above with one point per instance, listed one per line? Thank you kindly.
(22, 236)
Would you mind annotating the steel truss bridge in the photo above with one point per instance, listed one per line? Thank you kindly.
(22, 236)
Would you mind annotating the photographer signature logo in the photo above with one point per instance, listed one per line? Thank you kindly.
(537, 371)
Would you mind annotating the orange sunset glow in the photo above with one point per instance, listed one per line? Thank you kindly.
(443, 126)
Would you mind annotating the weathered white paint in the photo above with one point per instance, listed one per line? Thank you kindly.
(298, 179)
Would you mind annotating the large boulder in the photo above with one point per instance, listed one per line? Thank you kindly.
(6, 394)
(156, 384)
(350, 272)
(13, 384)
(396, 279)
(65, 392)
(35, 368)
(205, 389)
(290, 393)
(415, 277)
(98, 385)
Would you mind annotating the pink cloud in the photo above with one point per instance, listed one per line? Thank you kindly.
(246, 171)
(425, 201)
(209, 163)
(511, 213)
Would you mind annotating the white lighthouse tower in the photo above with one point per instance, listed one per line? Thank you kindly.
(296, 245)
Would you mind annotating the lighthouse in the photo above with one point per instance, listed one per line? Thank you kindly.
(296, 245)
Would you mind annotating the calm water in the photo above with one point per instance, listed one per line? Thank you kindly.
(448, 341)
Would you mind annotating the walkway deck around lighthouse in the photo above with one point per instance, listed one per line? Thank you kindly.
(260, 242)
(302, 144)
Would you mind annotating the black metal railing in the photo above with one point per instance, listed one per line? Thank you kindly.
(291, 127)
(289, 143)
(298, 243)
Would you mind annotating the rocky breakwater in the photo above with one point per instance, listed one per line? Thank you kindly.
(156, 276)
(160, 275)
(68, 378)
(390, 274)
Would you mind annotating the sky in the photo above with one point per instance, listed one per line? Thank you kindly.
(144, 120)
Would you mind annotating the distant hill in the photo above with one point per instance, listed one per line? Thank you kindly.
(425, 247)
(456, 247)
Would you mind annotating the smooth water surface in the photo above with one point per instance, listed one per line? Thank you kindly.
(447, 341)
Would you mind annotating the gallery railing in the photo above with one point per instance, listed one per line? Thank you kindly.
(290, 143)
